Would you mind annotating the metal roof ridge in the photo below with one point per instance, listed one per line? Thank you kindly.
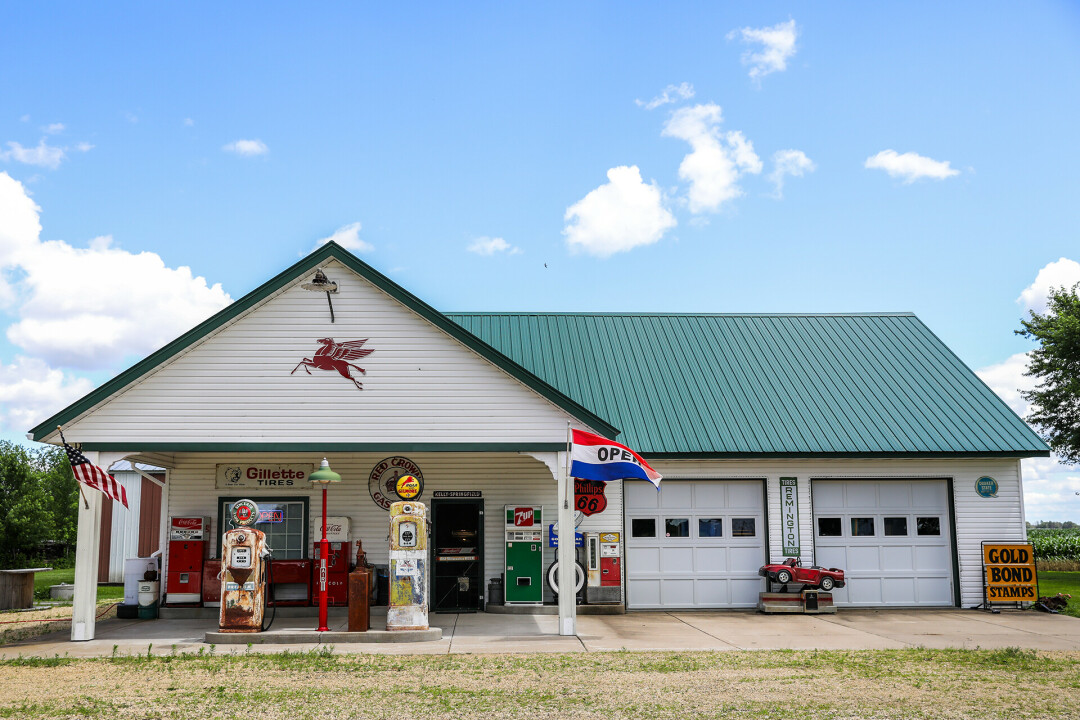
(523, 313)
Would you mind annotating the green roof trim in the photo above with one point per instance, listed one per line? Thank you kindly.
(765, 385)
(330, 250)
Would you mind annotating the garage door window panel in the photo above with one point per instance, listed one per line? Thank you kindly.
(677, 527)
(862, 527)
(710, 527)
(895, 527)
(830, 527)
(743, 527)
(928, 525)
(643, 527)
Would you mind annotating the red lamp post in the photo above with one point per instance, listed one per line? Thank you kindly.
(323, 476)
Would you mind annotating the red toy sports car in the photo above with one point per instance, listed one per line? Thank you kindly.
(792, 571)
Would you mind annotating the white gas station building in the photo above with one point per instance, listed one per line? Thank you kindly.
(857, 441)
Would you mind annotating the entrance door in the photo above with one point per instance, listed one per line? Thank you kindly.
(457, 532)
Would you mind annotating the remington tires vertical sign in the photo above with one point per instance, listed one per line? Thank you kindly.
(789, 515)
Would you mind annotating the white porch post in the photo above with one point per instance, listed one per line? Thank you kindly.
(566, 579)
(88, 540)
(87, 548)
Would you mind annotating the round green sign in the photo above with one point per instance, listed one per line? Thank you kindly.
(987, 487)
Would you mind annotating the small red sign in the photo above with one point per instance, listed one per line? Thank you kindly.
(187, 523)
(589, 496)
(523, 517)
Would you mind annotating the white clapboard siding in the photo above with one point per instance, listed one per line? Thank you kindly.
(503, 478)
(237, 385)
(978, 519)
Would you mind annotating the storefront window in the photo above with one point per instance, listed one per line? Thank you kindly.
(829, 527)
(284, 520)
(643, 527)
(928, 525)
(743, 527)
(862, 527)
(677, 527)
(710, 527)
(895, 526)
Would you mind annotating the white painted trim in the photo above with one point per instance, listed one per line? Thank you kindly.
(88, 539)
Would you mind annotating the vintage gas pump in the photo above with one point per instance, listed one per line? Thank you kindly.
(245, 565)
(604, 552)
(408, 609)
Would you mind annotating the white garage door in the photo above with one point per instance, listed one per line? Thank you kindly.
(694, 544)
(891, 537)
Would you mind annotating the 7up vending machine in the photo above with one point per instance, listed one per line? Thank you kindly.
(524, 555)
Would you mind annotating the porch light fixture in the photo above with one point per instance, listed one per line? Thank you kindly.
(323, 476)
(321, 283)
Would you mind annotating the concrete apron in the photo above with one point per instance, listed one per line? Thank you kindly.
(638, 631)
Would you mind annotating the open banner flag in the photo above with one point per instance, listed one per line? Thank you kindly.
(596, 458)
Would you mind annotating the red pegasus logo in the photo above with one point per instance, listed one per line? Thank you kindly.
(336, 356)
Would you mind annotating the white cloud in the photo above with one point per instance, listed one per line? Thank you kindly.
(490, 246)
(1007, 379)
(1063, 273)
(53, 129)
(44, 155)
(246, 148)
(347, 237)
(910, 166)
(778, 45)
(31, 391)
(1049, 486)
(90, 307)
(24, 118)
(188, 122)
(789, 162)
(623, 214)
(670, 94)
(717, 160)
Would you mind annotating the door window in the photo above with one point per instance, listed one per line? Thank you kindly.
(284, 521)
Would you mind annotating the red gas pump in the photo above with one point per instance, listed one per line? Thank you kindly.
(188, 544)
(605, 567)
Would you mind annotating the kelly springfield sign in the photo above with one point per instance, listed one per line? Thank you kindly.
(255, 475)
(1010, 573)
(789, 515)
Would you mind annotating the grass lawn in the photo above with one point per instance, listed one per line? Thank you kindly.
(912, 683)
(43, 580)
(1051, 583)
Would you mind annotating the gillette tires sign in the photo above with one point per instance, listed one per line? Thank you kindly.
(270, 477)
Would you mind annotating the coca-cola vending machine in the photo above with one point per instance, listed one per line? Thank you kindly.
(189, 539)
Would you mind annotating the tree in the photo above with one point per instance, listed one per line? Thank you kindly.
(1055, 409)
(38, 502)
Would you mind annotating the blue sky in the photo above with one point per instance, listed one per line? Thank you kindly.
(229, 140)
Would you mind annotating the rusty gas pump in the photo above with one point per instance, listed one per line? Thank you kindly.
(245, 567)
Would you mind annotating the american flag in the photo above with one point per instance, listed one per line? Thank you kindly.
(90, 474)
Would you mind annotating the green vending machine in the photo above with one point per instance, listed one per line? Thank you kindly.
(524, 555)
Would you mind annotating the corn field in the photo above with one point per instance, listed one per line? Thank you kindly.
(1055, 544)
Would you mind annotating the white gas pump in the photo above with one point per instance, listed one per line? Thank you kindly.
(245, 567)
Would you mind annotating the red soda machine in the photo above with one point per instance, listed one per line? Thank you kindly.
(337, 574)
(189, 540)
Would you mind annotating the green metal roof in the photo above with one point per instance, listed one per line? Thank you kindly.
(878, 384)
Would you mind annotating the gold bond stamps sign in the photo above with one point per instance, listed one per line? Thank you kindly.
(1010, 572)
